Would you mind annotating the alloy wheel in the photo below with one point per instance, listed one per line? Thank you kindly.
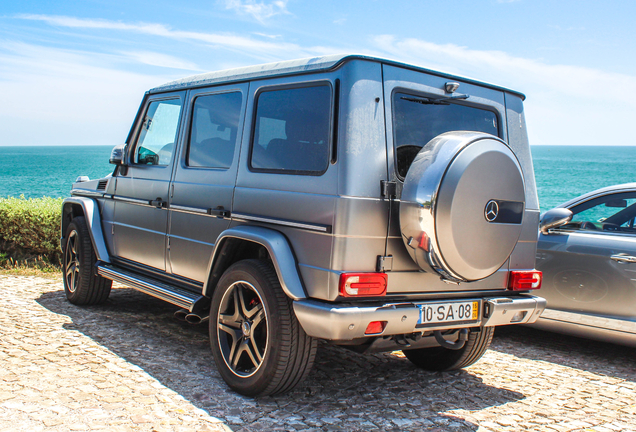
(242, 329)
(71, 262)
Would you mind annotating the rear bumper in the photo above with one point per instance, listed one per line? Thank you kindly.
(345, 322)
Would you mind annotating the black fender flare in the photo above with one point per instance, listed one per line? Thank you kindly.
(279, 250)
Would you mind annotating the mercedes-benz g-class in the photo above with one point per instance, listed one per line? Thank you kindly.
(369, 203)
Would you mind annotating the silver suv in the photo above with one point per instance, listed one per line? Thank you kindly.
(372, 204)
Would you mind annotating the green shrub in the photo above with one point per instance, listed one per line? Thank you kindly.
(30, 228)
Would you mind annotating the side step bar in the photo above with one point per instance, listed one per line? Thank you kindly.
(177, 296)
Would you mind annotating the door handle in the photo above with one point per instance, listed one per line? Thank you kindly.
(624, 258)
(219, 212)
(159, 203)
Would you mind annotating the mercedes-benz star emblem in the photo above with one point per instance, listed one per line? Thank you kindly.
(492, 210)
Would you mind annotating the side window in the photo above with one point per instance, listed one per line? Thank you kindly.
(607, 213)
(291, 131)
(418, 119)
(158, 136)
(213, 131)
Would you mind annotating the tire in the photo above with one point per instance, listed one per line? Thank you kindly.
(263, 350)
(81, 284)
(443, 359)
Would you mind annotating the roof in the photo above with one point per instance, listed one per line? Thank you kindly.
(295, 67)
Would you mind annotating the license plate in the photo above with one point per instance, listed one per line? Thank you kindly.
(435, 313)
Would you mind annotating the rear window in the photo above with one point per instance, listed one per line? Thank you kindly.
(418, 119)
(291, 131)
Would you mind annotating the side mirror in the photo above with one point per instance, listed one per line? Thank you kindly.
(118, 155)
(554, 218)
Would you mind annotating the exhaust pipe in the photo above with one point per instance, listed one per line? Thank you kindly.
(196, 319)
(181, 314)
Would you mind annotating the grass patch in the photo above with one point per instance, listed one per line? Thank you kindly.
(37, 266)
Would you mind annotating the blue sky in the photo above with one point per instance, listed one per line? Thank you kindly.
(74, 72)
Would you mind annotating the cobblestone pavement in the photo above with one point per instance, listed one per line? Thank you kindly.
(129, 365)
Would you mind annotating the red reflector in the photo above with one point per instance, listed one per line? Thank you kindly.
(525, 280)
(375, 327)
(425, 242)
(363, 284)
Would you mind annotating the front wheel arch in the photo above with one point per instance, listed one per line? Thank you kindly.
(69, 212)
(88, 208)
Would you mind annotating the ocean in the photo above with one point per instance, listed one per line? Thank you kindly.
(562, 172)
(565, 172)
(49, 170)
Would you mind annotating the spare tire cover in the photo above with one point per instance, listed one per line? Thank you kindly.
(462, 205)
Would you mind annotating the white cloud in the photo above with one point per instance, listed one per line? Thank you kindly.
(566, 104)
(265, 50)
(55, 96)
(261, 11)
(268, 36)
(161, 60)
(513, 71)
(62, 97)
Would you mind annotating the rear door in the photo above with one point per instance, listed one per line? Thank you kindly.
(141, 196)
(203, 186)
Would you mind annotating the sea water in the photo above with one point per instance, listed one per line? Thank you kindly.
(562, 172)
(49, 170)
(565, 172)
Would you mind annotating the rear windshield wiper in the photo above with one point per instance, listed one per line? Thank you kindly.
(433, 101)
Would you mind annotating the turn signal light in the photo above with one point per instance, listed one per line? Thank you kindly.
(525, 280)
(363, 284)
(375, 327)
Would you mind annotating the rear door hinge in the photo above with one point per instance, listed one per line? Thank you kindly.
(385, 263)
(388, 189)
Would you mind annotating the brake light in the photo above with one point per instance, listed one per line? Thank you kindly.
(375, 327)
(525, 280)
(363, 284)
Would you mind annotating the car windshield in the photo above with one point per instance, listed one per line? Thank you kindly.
(417, 120)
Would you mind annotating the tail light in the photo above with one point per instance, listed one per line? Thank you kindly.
(363, 284)
(525, 280)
